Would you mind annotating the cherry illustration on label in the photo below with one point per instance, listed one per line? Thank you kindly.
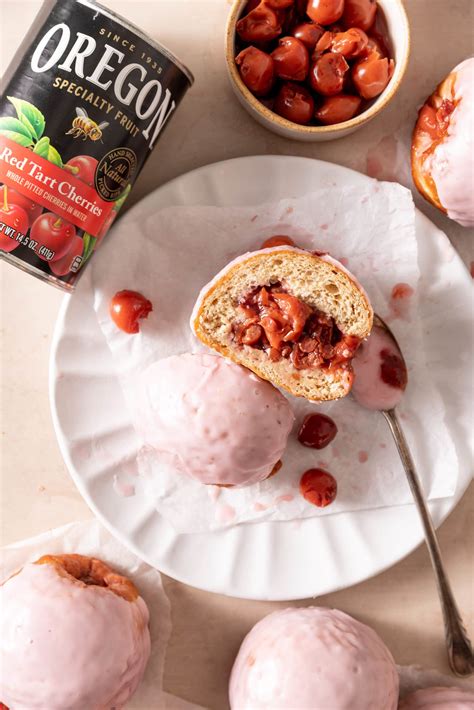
(70, 260)
(16, 218)
(32, 209)
(53, 234)
(83, 167)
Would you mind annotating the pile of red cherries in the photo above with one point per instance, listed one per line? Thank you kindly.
(313, 61)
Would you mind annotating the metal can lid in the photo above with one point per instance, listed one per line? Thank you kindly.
(157, 45)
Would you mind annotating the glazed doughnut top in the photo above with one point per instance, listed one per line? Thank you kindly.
(68, 645)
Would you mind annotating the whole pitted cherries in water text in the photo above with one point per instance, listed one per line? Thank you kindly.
(314, 62)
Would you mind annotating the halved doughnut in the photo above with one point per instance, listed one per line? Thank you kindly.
(293, 317)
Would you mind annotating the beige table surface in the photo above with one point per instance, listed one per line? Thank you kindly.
(36, 491)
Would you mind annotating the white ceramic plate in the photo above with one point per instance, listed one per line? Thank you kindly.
(275, 561)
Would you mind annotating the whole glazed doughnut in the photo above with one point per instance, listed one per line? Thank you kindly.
(73, 635)
(313, 659)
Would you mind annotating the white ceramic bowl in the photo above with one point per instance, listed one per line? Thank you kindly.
(399, 33)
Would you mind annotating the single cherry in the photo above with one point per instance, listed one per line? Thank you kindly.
(256, 69)
(318, 487)
(376, 47)
(371, 76)
(127, 308)
(317, 431)
(295, 103)
(16, 218)
(54, 234)
(291, 59)
(261, 25)
(393, 370)
(62, 266)
(83, 167)
(360, 13)
(350, 44)
(277, 241)
(325, 11)
(309, 33)
(32, 209)
(327, 74)
(337, 109)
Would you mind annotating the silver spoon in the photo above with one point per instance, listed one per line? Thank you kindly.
(380, 379)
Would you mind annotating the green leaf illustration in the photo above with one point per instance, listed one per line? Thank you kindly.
(89, 244)
(118, 203)
(29, 115)
(17, 137)
(8, 123)
(47, 151)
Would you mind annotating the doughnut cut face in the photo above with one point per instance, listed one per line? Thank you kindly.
(306, 288)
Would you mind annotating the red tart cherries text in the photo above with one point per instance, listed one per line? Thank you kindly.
(127, 308)
(314, 62)
(318, 487)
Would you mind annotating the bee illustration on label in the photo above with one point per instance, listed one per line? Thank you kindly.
(84, 126)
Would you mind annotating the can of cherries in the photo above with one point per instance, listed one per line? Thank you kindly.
(84, 103)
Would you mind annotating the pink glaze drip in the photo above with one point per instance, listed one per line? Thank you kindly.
(125, 490)
(313, 659)
(369, 389)
(287, 498)
(439, 699)
(400, 300)
(225, 513)
(219, 422)
(64, 645)
(452, 162)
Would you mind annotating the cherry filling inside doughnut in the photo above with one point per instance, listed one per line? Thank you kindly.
(434, 120)
(431, 129)
(91, 572)
(271, 319)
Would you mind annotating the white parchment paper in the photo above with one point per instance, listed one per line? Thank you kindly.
(90, 538)
(371, 229)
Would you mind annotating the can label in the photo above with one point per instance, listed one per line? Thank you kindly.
(79, 117)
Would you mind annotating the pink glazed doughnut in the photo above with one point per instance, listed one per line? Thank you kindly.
(439, 699)
(220, 423)
(73, 635)
(313, 659)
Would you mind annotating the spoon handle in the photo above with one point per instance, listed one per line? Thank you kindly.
(458, 644)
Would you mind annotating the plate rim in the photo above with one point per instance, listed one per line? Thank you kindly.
(440, 508)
